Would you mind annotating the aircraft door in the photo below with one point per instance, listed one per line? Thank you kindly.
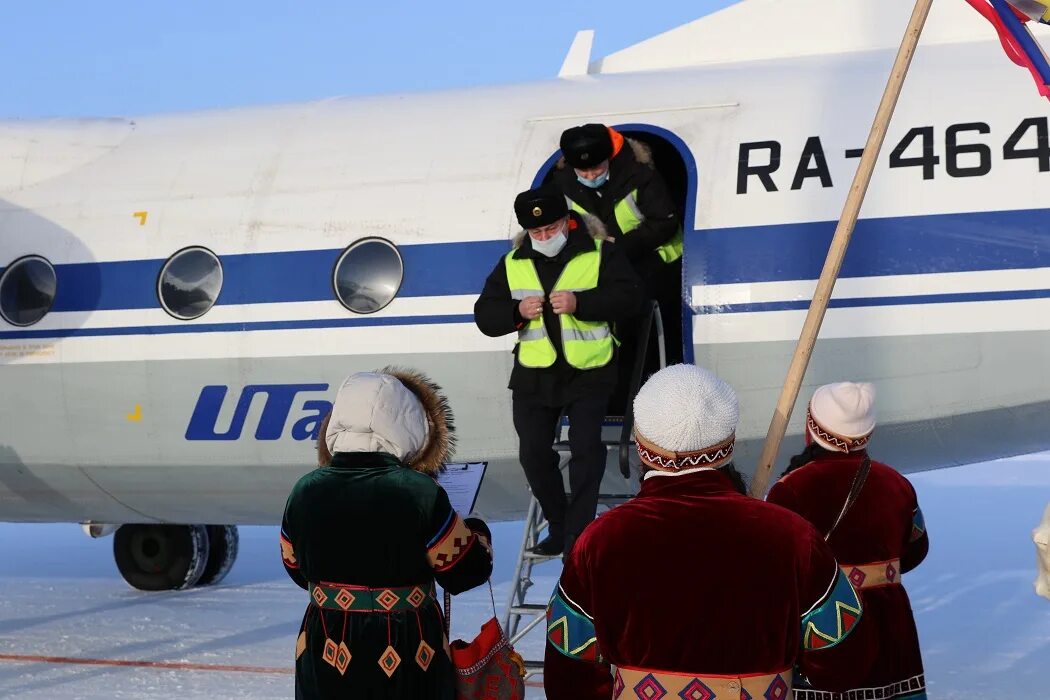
(666, 137)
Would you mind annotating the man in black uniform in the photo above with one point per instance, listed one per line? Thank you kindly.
(562, 288)
(613, 177)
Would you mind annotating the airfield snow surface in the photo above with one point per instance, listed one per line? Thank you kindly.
(984, 631)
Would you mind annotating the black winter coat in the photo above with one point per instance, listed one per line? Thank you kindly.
(629, 169)
(617, 297)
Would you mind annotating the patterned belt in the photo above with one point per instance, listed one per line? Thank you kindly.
(911, 689)
(648, 685)
(880, 573)
(337, 596)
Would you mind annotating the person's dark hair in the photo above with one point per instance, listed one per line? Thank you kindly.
(812, 451)
(739, 482)
(324, 457)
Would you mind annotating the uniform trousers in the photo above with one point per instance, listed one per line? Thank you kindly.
(536, 425)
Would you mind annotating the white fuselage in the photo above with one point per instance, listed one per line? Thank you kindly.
(944, 301)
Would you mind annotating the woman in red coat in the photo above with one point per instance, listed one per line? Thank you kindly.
(881, 536)
(692, 589)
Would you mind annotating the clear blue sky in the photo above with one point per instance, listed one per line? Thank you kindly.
(117, 57)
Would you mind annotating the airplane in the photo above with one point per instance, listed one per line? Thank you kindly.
(181, 293)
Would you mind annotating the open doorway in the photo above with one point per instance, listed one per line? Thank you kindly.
(672, 160)
(669, 162)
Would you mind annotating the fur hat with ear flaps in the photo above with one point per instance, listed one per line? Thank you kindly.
(394, 410)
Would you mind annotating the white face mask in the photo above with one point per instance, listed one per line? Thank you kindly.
(552, 246)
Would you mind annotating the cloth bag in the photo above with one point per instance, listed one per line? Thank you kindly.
(487, 668)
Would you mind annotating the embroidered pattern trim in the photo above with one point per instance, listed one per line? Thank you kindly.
(880, 573)
(443, 529)
(664, 460)
(918, 526)
(840, 442)
(832, 619)
(451, 545)
(570, 630)
(424, 655)
(629, 682)
(288, 553)
(389, 661)
(361, 599)
(342, 658)
(913, 688)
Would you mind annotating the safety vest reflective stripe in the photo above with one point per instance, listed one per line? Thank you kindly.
(629, 217)
(585, 344)
(532, 334)
(574, 334)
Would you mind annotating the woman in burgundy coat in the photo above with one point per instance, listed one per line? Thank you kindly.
(692, 589)
(880, 537)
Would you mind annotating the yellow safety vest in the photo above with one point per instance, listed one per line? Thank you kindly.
(586, 344)
(629, 217)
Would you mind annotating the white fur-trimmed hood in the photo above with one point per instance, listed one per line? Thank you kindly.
(374, 412)
(396, 411)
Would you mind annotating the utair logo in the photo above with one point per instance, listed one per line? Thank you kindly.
(279, 400)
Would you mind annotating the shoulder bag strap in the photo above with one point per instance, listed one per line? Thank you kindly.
(448, 615)
(448, 610)
(854, 492)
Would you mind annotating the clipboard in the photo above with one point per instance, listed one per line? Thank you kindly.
(462, 483)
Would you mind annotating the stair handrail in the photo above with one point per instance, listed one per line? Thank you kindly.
(652, 317)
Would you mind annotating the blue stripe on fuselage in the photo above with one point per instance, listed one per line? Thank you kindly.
(431, 269)
(352, 322)
(888, 246)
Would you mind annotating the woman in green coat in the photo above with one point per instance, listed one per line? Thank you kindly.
(368, 534)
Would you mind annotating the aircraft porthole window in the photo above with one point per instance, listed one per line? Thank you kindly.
(189, 283)
(368, 275)
(27, 290)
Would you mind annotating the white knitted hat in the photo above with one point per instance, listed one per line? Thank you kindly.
(841, 417)
(685, 417)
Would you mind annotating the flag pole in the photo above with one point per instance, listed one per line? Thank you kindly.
(837, 251)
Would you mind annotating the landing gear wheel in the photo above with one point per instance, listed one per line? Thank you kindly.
(223, 541)
(161, 557)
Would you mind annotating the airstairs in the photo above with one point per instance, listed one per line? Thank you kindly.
(522, 614)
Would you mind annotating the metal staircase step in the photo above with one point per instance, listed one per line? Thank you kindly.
(619, 484)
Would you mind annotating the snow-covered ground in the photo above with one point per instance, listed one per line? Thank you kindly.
(984, 631)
